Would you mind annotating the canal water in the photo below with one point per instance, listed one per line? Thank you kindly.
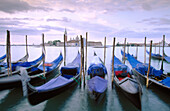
(77, 99)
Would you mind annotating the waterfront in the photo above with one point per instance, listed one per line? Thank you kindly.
(76, 98)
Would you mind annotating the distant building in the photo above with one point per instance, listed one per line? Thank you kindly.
(161, 44)
(92, 43)
(76, 42)
(73, 42)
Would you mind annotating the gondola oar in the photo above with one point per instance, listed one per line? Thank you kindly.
(147, 80)
(113, 60)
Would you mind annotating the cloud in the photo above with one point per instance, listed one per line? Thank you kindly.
(48, 28)
(111, 6)
(12, 6)
(67, 10)
(11, 22)
(22, 31)
(156, 21)
(64, 19)
(163, 29)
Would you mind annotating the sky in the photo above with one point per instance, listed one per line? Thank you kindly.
(131, 19)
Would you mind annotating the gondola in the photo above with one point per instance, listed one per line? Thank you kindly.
(156, 77)
(13, 81)
(97, 85)
(126, 83)
(3, 64)
(159, 57)
(155, 56)
(2, 58)
(15, 67)
(68, 78)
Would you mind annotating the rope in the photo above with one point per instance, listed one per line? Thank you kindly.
(42, 76)
(76, 80)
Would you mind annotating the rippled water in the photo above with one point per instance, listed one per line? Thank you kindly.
(77, 99)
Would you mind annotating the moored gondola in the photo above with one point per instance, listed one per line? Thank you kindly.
(2, 58)
(155, 56)
(35, 74)
(126, 83)
(15, 67)
(97, 85)
(69, 77)
(156, 77)
(159, 57)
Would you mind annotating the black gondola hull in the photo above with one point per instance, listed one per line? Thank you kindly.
(134, 98)
(35, 97)
(12, 84)
(98, 97)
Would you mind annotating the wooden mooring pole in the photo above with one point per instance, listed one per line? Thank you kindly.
(124, 51)
(26, 47)
(64, 49)
(82, 59)
(8, 51)
(86, 59)
(145, 51)
(128, 48)
(159, 48)
(104, 49)
(163, 52)
(113, 53)
(136, 51)
(43, 51)
(147, 80)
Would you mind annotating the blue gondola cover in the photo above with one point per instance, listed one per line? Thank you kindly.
(97, 69)
(97, 84)
(53, 64)
(166, 81)
(54, 83)
(143, 68)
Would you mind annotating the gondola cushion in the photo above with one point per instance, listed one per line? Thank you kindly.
(120, 70)
(70, 70)
(97, 69)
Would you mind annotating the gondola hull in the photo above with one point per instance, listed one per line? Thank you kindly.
(152, 82)
(135, 98)
(98, 97)
(10, 82)
(35, 97)
(157, 57)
